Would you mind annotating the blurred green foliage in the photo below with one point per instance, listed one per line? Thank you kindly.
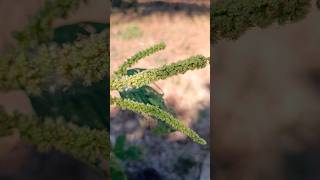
(72, 32)
(120, 153)
(53, 66)
(39, 29)
(80, 104)
(125, 153)
(132, 31)
(64, 71)
(231, 18)
(57, 133)
(184, 164)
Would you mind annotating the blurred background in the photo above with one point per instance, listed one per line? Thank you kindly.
(185, 27)
(266, 100)
(84, 106)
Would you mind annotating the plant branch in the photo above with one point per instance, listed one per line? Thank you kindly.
(135, 58)
(85, 61)
(156, 112)
(152, 75)
(231, 18)
(85, 144)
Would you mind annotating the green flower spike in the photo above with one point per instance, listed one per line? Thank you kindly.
(164, 72)
(156, 112)
(123, 82)
(135, 58)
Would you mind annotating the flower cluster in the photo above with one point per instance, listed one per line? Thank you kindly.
(156, 112)
(37, 65)
(50, 65)
(231, 18)
(140, 55)
(152, 75)
(124, 82)
(39, 29)
(65, 137)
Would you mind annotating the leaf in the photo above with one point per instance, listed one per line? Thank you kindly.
(145, 94)
(123, 153)
(116, 169)
(161, 129)
(131, 72)
(148, 95)
(82, 105)
(133, 153)
(70, 33)
(118, 149)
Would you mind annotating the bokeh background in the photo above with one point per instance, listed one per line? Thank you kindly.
(185, 27)
(266, 103)
(19, 160)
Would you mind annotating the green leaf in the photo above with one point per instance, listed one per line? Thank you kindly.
(161, 129)
(119, 146)
(123, 153)
(82, 105)
(133, 153)
(116, 169)
(70, 33)
(145, 94)
(148, 95)
(131, 72)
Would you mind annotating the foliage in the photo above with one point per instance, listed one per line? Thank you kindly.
(81, 105)
(70, 33)
(121, 152)
(41, 67)
(83, 61)
(39, 28)
(116, 169)
(123, 83)
(45, 70)
(184, 164)
(138, 56)
(149, 76)
(154, 111)
(148, 95)
(58, 134)
(54, 64)
(132, 31)
(231, 18)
